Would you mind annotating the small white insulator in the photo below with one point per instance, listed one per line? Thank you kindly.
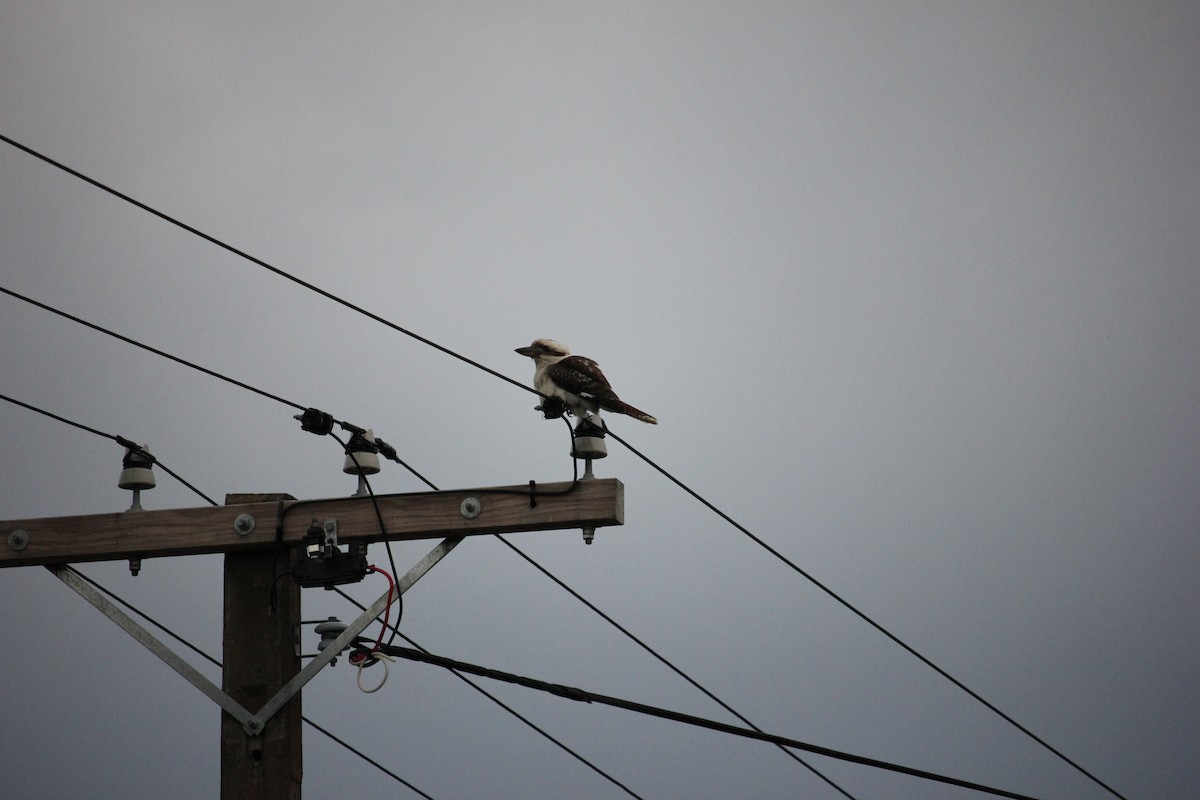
(366, 454)
(137, 473)
(589, 447)
(588, 441)
(329, 631)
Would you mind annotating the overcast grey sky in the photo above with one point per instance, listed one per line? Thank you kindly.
(912, 288)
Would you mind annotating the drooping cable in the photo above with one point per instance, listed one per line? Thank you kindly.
(167, 631)
(581, 695)
(523, 719)
(121, 440)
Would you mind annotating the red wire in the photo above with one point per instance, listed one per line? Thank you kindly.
(387, 609)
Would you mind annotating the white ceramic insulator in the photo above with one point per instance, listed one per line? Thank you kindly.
(368, 462)
(589, 447)
(137, 477)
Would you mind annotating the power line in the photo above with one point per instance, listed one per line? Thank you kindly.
(121, 440)
(148, 348)
(529, 723)
(664, 660)
(494, 373)
(572, 693)
(258, 261)
(364, 757)
(862, 615)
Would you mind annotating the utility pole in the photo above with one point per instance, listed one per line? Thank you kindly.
(259, 658)
(264, 538)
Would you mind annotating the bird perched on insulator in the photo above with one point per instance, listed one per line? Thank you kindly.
(575, 380)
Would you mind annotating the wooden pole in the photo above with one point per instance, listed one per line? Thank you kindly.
(262, 608)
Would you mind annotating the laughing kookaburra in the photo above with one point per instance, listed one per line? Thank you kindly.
(576, 380)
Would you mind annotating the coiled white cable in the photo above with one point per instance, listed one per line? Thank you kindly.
(382, 658)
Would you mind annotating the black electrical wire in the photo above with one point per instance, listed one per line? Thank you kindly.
(494, 373)
(862, 615)
(148, 348)
(134, 609)
(121, 440)
(670, 665)
(382, 527)
(581, 695)
(281, 273)
(144, 616)
(529, 723)
(390, 452)
(364, 757)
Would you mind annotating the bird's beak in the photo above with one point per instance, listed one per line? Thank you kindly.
(526, 351)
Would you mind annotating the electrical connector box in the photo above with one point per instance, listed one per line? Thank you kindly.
(320, 561)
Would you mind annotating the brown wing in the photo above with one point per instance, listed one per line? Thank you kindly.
(583, 377)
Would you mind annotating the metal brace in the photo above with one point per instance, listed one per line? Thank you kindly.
(252, 724)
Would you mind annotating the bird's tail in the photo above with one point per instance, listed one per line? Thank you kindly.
(624, 408)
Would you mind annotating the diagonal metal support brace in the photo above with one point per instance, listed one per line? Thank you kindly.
(253, 724)
(189, 673)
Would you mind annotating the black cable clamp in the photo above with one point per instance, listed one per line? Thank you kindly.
(359, 443)
(352, 429)
(386, 450)
(136, 457)
(316, 421)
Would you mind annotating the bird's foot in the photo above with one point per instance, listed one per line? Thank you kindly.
(552, 408)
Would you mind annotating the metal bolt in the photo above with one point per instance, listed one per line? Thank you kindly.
(244, 524)
(18, 539)
(470, 507)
